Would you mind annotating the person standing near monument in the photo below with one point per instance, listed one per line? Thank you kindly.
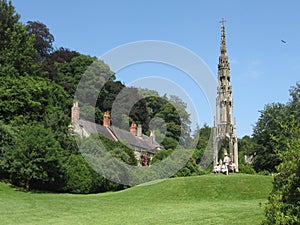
(227, 161)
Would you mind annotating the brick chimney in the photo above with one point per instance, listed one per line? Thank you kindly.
(106, 119)
(152, 136)
(75, 110)
(133, 129)
(139, 130)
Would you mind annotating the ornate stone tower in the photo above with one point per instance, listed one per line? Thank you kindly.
(225, 139)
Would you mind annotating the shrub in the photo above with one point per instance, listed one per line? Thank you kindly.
(246, 168)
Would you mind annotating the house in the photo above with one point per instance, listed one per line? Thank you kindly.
(143, 146)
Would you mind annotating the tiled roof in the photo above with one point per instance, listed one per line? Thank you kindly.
(143, 142)
(91, 128)
(113, 133)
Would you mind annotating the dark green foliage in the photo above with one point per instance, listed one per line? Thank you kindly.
(172, 112)
(161, 155)
(192, 165)
(125, 103)
(271, 131)
(28, 98)
(247, 146)
(35, 158)
(51, 63)
(8, 20)
(16, 46)
(78, 175)
(37, 88)
(190, 169)
(139, 112)
(119, 150)
(169, 143)
(202, 135)
(109, 159)
(108, 94)
(69, 74)
(7, 134)
(246, 168)
(268, 125)
(284, 201)
(43, 38)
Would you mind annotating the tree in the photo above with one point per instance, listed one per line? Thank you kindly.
(169, 143)
(43, 38)
(35, 158)
(7, 133)
(9, 18)
(16, 45)
(17, 58)
(78, 175)
(202, 135)
(126, 105)
(50, 64)
(161, 155)
(272, 130)
(267, 127)
(29, 98)
(284, 201)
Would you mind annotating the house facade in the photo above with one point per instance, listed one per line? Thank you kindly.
(143, 146)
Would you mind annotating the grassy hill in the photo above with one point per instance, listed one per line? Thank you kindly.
(210, 199)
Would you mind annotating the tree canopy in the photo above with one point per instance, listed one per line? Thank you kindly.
(284, 201)
(43, 38)
(271, 131)
(35, 157)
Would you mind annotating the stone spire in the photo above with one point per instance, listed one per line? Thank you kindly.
(223, 39)
(225, 140)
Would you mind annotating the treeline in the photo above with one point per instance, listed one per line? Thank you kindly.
(274, 148)
(37, 87)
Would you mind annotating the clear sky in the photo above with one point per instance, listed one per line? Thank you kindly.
(262, 66)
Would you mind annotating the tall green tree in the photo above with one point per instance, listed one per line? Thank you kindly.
(271, 131)
(16, 45)
(78, 175)
(267, 127)
(284, 201)
(35, 158)
(9, 18)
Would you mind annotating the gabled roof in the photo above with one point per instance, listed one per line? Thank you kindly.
(92, 128)
(117, 134)
(143, 142)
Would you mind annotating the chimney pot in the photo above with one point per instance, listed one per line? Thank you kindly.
(139, 130)
(75, 110)
(133, 128)
(106, 119)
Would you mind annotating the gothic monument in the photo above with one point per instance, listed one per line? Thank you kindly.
(224, 138)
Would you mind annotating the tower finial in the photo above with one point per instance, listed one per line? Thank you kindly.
(223, 21)
(223, 39)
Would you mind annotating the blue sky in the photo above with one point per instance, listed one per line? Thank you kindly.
(262, 67)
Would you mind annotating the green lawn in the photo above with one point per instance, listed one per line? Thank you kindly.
(209, 199)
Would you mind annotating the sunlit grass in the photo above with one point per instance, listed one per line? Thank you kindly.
(210, 199)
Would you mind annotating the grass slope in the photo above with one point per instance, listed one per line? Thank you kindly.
(210, 199)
